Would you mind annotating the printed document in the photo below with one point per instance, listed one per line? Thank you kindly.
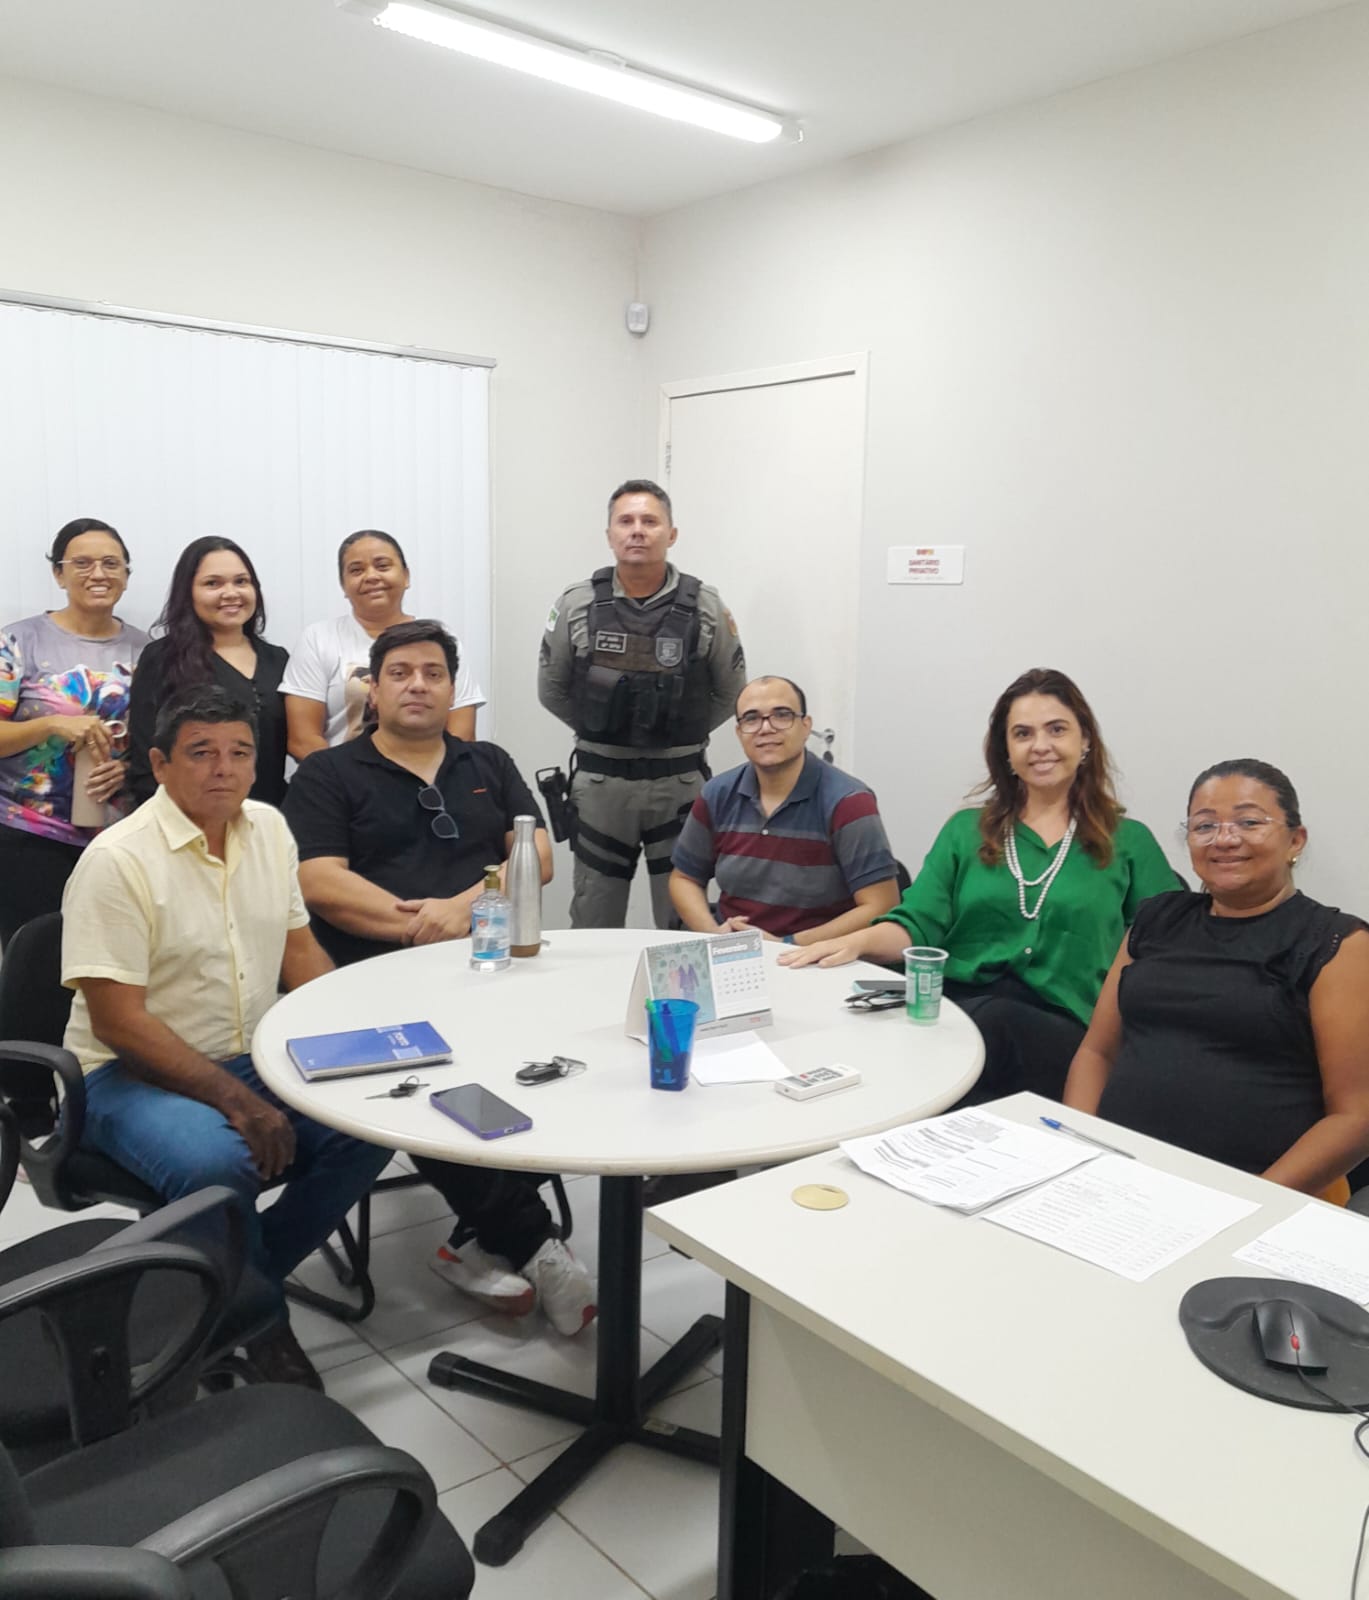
(1319, 1246)
(1119, 1214)
(966, 1160)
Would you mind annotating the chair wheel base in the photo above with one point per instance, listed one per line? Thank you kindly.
(499, 1541)
(441, 1368)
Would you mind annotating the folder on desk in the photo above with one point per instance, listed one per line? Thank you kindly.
(362, 1050)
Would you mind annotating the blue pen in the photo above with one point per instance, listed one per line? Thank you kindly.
(1074, 1133)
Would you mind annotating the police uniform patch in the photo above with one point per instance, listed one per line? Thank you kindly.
(670, 652)
(551, 619)
(612, 644)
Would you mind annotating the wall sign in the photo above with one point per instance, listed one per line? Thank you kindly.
(926, 563)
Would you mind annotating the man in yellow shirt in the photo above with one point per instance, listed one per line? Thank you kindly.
(178, 924)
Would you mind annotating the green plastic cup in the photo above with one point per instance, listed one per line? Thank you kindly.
(924, 968)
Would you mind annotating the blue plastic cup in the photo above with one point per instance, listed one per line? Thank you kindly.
(670, 1041)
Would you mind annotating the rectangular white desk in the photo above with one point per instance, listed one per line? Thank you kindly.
(999, 1420)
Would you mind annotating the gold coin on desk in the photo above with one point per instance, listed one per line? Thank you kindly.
(820, 1197)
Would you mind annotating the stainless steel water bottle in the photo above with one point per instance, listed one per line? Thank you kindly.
(523, 882)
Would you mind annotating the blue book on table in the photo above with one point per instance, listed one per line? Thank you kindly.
(343, 1055)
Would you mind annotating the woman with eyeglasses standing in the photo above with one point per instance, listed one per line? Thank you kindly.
(210, 631)
(1235, 1021)
(327, 687)
(1028, 893)
(64, 688)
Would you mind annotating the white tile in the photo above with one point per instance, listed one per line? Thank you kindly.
(584, 1206)
(25, 1215)
(411, 1299)
(653, 1515)
(555, 1560)
(406, 1208)
(528, 1347)
(676, 1292)
(398, 1414)
(699, 1406)
(326, 1341)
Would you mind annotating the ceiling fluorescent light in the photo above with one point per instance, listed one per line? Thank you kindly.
(593, 71)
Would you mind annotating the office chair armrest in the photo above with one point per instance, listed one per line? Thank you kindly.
(43, 1160)
(89, 1572)
(265, 1534)
(86, 1304)
(9, 1153)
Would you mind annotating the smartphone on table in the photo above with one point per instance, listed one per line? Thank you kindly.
(480, 1112)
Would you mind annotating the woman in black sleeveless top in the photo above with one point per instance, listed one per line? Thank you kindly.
(1235, 1023)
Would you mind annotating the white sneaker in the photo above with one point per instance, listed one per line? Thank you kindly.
(485, 1277)
(564, 1287)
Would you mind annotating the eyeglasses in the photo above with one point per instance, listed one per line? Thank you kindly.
(83, 566)
(780, 718)
(875, 1000)
(444, 823)
(1207, 832)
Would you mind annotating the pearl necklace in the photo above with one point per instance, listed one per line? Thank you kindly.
(1046, 878)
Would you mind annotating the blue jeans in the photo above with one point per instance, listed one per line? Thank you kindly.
(177, 1145)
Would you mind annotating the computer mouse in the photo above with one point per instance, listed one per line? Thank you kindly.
(1290, 1335)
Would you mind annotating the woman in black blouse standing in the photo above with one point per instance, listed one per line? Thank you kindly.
(1235, 1023)
(210, 631)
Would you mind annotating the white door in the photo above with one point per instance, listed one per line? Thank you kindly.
(766, 474)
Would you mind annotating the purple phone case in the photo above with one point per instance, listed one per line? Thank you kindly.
(435, 1100)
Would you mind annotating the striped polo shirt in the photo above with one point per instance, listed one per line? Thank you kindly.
(797, 868)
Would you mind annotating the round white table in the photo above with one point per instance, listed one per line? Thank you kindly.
(572, 1000)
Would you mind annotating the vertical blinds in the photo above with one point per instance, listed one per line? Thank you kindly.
(169, 432)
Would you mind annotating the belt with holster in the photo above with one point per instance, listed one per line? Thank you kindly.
(639, 766)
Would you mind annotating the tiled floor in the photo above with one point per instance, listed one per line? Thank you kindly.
(643, 1523)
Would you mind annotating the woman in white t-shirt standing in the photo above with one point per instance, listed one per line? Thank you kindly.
(329, 677)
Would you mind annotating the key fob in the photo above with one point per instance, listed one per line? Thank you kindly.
(538, 1072)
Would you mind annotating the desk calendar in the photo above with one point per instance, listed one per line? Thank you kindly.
(723, 973)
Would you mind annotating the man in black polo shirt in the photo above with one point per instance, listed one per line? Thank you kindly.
(381, 866)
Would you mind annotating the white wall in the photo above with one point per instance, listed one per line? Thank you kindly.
(1119, 348)
(104, 201)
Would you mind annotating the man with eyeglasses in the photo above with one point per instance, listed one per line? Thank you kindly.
(643, 662)
(795, 845)
(395, 829)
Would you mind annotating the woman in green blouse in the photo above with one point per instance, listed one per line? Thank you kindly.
(1029, 893)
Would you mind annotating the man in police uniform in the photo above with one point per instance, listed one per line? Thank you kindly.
(643, 662)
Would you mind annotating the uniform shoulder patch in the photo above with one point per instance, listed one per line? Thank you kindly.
(551, 618)
(731, 622)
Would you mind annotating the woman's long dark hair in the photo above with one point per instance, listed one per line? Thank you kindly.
(1093, 800)
(190, 645)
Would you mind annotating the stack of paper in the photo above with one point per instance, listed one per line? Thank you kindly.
(1319, 1246)
(1124, 1216)
(966, 1160)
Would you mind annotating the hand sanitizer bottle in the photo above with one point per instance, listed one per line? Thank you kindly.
(490, 917)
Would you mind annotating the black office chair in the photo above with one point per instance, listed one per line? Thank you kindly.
(251, 1494)
(42, 1370)
(43, 1093)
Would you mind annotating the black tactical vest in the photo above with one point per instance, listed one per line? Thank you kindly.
(642, 681)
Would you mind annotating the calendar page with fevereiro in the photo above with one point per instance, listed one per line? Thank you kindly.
(724, 974)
